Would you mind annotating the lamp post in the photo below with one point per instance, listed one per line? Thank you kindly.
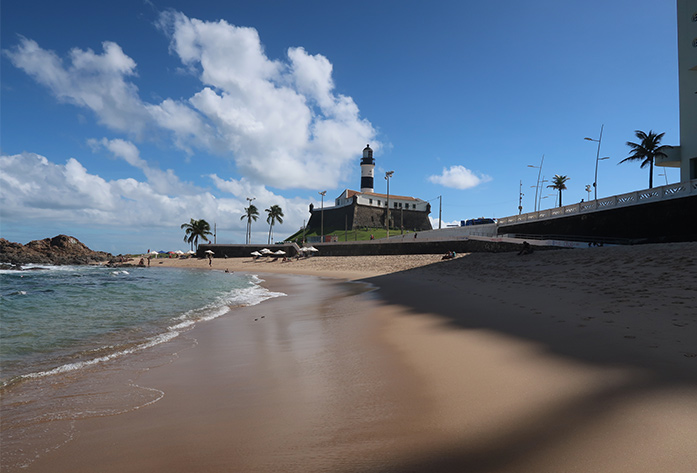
(537, 186)
(440, 211)
(520, 198)
(388, 175)
(597, 158)
(542, 184)
(323, 193)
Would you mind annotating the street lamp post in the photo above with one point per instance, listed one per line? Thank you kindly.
(388, 175)
(597, 158)
(537, 186)
(542, 184)
(323, 193)
(520, 198)
(440, 211)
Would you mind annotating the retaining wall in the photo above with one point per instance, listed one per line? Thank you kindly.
(652, 222)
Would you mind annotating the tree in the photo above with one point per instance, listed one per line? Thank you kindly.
(559, 183)
(647, 151)
(275, 214)
(196, 229)
(250, 213)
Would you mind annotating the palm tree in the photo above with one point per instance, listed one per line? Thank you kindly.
(275, 215)
(559, 183)
(250, 213)
(647, 150)
(196, 229)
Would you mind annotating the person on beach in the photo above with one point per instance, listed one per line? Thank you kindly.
(526, 250)
(210, 260)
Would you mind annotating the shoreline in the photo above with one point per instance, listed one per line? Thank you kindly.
(577, 360)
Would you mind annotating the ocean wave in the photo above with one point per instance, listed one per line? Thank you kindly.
(253, 294)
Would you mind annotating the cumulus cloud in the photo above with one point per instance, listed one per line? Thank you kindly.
(281, 121)
(94, 81)
(32, 187)
(459, 177)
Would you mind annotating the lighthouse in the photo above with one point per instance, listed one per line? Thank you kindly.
(367, 170)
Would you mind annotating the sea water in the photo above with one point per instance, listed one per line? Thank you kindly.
(62, 318)
(73, 340)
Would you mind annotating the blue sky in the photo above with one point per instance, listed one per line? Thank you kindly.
(122, 120)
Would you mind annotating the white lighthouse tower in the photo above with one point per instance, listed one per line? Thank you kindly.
(367, 170)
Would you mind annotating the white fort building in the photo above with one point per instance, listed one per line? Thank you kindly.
(354, 209)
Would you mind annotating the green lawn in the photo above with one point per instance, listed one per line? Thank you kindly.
(351, 235)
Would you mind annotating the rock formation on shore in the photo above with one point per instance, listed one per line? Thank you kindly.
(61, 249)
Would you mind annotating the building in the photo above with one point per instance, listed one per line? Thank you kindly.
(353, 209)
(684, 156)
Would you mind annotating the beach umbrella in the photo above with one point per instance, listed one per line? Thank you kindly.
(280, 253)
(255, 253)
(153, 252)
(190, 252)
(210, 251)
(162, 252)
(265, 251)
(179, 252)
(313, 249)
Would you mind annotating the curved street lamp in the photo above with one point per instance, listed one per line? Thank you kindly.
(323, 193)
(597, 158)
(388, 175)
(537, 186)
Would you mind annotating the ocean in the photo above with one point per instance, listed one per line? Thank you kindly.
(73, 340)
(56, 319)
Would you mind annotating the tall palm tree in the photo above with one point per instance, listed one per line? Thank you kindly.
(559, 183)
(250, 213)
(647, 151)
(275, 214)
(196, 229)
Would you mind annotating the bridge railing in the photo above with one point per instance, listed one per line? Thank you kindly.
(671, 191)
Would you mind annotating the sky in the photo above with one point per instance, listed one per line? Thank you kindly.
(120, 121)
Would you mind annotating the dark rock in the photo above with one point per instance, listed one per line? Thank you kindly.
(61, 249)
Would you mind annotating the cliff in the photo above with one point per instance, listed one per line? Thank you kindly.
(61, 249)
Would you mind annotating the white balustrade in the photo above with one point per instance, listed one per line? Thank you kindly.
(671, 191)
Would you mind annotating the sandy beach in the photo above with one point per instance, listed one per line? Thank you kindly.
(578, 360)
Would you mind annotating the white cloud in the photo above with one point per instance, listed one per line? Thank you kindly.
(459, 177)
(34, 188)
(94, 81)
(279, 120)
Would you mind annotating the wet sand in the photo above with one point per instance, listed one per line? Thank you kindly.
(571, 360)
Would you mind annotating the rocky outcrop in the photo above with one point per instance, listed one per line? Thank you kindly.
(61, 249)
